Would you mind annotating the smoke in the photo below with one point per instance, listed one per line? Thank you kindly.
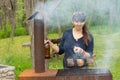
(98, 12)
(108, 60)
(106, 12)
(40, 9)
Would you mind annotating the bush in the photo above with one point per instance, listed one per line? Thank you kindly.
(17, 32)
(20, 31)
(5, 33)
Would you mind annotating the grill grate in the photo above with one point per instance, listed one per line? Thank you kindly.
(77, 72)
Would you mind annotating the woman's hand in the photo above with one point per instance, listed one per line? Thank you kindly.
(81, 51)
(78, 49)
(48, 42)
(53, 46)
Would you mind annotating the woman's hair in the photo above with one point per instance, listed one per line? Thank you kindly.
(80, 17)
(86, 35)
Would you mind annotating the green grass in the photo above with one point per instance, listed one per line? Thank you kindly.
(12, 53)
(107, 49)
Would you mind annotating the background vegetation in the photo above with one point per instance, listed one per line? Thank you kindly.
(6, 23)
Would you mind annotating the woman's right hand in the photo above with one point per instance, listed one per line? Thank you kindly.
(47, 42)
(54, 47)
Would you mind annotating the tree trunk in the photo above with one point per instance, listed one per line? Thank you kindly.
(13, 19)
(0, 15)
(4, 9)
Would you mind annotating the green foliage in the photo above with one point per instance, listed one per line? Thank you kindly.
(20, 13)
(56, 63)
(17, 32)
(55, 29)
(103, 29)
(4, 34)
(20, 23)
(20, 31)
(21, 19)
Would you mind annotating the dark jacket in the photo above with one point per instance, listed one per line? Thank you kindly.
(67, 45)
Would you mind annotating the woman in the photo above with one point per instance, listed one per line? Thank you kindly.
(77, 43)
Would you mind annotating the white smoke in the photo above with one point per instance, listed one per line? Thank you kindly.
(63, 10)
(107, 60)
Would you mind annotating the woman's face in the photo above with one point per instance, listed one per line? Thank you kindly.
(78, 25)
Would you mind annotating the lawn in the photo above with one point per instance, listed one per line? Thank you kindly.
(106, 48)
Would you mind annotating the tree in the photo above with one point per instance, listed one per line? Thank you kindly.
(8, 14)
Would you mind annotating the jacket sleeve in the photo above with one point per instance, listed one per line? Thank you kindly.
(61, 45)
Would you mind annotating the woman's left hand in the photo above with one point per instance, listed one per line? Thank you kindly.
(78, 49)
(81, 51)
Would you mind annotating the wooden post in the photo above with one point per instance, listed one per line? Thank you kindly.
(39, 46)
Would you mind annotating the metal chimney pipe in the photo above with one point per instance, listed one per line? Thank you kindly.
(39, 46)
